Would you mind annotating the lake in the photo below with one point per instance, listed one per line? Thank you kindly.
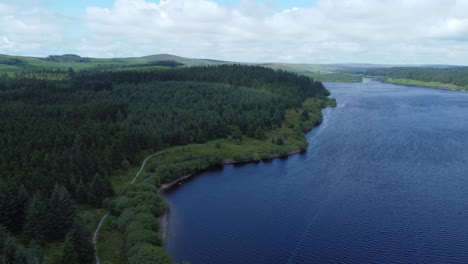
(384, 180)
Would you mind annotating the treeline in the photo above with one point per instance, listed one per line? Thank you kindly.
(452, 75)
(67, 58)
(278, 82)
(60, 140)
(42, 220)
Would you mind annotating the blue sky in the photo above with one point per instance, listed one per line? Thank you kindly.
(310, 31)
(78, 7)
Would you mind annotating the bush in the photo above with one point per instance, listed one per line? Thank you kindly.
(142, 236)
(280, 142)
(238, 157)
(150, 254)
(125, 164)
(256, 157)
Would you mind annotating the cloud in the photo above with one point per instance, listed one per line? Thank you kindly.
(395, 31)
(329, 31)
(33, 30)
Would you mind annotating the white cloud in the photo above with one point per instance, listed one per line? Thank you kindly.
(388, 31)
(31, 31)
(393, 31)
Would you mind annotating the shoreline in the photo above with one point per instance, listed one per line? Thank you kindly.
(422, 84)
(163, 220)
(175, 183)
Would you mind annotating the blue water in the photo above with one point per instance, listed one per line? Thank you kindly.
(384, 180)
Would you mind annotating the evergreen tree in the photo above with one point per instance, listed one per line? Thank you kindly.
(61, 213)
(78, 246)
(34, 254)
(12, 252)
(22, 204)
(8, 205)
(80, 192)
(98, 190)
(70, 254)
(3, 237)
(9, 249)
(36, 219)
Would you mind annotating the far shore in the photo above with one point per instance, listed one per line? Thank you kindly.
(415, 83)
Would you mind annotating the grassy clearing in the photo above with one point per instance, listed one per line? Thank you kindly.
(148, 68)
(317, 72)
(13, 64)
(53, 252)
(336, 77)
(410, 82)
(111, 246)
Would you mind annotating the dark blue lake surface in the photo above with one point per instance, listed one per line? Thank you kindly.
(384, 180)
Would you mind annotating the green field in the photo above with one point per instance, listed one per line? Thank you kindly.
(426, 84)
(320, 73)
(11, 65)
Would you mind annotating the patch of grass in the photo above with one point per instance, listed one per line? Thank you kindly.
(90, 216)
(32, 63)
(53, 252)
(148, 68)
(111, 246)
(336, 77)
(122, 178)
(410, 82)
(321, 73)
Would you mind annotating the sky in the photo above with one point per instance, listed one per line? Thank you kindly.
(303, 31)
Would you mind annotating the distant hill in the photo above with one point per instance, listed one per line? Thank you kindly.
(67, 58)
(183, 60)
(338, 72)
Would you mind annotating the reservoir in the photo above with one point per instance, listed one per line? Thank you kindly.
(384, 180)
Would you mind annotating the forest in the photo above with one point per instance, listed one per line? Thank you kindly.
(61, 139)
(448, 75)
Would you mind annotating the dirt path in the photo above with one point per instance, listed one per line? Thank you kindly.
(104, 217)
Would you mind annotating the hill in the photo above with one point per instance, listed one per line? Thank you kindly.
(11, 65)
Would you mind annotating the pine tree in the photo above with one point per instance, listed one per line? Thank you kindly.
(23, 200)
(34, 254)
(9, 249)
(70, 254)
(36, 219)
(8, 206)
(60, 213)
(78, 246)
(80, 192)
(3, 237)
(99, 189)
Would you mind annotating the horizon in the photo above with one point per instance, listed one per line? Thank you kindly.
(249, 62)
(401, 32)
